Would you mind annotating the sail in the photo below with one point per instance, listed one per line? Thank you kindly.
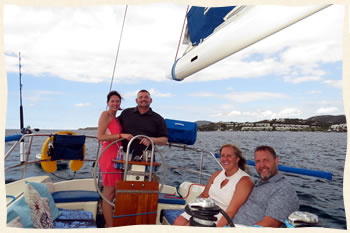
(240, 27)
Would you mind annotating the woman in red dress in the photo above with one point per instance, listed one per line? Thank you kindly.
(109, 130)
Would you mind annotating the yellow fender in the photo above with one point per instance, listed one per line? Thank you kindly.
(51, 166)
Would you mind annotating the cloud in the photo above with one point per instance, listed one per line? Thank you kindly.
(250, 114)
(64, 46)
(289, 112)
(253, 96)
(81, 105)
(234, 113)
(243, 116)
(241, 97)
(204, 94)
(334, 83)
(315, 45)
(314, 92)
(266, 114)
(40, 96)
(130, 94)
(157, 93)
(154, 93)
(327, 110)
(233, 67)
(297, 80)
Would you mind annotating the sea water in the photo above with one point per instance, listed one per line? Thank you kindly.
(322, 151)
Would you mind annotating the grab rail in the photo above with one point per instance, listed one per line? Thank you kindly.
(126, 159)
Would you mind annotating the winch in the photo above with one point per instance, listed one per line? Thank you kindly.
(301, 219)
(203, 211)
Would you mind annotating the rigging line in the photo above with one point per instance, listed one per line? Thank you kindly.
(116, 57)
(183, 25)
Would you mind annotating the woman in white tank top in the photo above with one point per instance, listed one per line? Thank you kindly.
(229, 188)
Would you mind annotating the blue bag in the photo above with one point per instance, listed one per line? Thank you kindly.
(69, 147)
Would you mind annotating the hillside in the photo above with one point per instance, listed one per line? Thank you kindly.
(322, 120)
(327, 120)
(315, 123)
(200, 123)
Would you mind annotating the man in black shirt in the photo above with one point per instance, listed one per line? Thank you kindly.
(141, 120)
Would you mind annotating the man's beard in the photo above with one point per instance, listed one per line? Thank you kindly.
(270, 174)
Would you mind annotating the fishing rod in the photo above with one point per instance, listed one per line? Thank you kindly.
(26, 130)
(16, 137)
(21, 150)
(20, 94)
(23, 130)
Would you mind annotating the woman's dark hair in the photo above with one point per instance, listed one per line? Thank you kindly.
(112, 93)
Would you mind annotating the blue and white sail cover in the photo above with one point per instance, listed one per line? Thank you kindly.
(202, 21)
(219, 32)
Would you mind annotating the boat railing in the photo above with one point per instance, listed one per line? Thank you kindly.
(25, 143)
(202, 154)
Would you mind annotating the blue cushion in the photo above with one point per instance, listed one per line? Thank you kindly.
(68, 214)
(170, 199)
(21, 209)
(44, 192)
(75, 196)
(68, 224)
(171, 214)
(75, 219)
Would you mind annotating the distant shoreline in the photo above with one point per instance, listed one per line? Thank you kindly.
(88, 128)
(315, 123)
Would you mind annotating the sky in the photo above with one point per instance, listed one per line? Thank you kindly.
(68, 55)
